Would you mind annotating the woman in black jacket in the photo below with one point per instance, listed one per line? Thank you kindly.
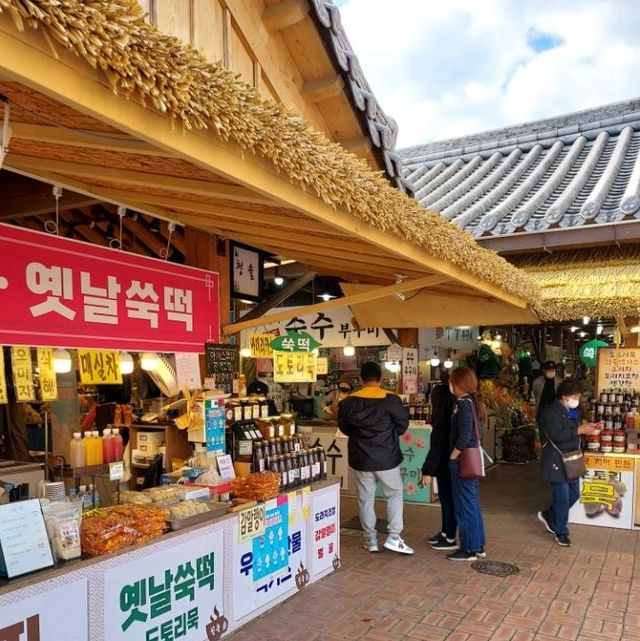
(560, 432)
(437, 465)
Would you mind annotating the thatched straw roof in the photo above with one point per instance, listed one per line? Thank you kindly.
(143, 64)
(601, 282)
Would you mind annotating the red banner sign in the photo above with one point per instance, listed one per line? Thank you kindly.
(64, 293)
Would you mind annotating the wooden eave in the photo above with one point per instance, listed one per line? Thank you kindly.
(72, 130)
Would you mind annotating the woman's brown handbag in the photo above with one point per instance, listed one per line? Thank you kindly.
(572, 462)
(472, 458)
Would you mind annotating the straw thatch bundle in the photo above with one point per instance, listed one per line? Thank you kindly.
(597, 282)
(143, 64)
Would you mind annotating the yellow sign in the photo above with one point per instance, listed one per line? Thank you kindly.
(609, 463)
(48, 382)
(251, 523)
(600, 492)
(294, 367)
(98, 367)
(3, 380)
(259, 344)
(322, 365)
(22, 374)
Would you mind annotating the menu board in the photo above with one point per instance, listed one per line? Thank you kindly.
(221, 363)
(24, 544)
(619, 369)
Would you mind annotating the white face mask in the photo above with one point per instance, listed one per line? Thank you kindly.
(550, 374)
(571, 403)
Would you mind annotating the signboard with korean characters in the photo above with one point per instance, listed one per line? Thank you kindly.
(325, 532)
(99, 367)
(3, 380)
(618, 369)
(332, 328)
(296, 367)
(41, 612)
(95, 297)
(175, 592)
(22, 369)
(247, 272)
(606, 492)
(48, 379)
(271, 565)
(409, 370)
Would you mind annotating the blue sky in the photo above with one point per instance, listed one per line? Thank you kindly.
(456, 67)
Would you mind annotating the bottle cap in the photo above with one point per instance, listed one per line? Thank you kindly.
(95, 433)
(106, 432)
(77, 435)
(115, 431)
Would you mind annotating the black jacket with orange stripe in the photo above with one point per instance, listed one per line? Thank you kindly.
(373, 419)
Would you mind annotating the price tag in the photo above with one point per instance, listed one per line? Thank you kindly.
(116, 471)
(251, 523)
(225, 467)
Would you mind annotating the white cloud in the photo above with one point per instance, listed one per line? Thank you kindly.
(444, 69)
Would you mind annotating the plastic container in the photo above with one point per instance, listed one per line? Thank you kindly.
(76, 448)
(107, 446)
(97, 445)
(88, 449)
(118, 445)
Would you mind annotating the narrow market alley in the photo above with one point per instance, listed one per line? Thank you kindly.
(587, 592)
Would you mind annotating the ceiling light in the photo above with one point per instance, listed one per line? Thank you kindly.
(278, 281)
(149, 361)
(574, 329)
(126, 363)
(582, 334)
(448, 364)
(245, 352)
(498, 337)
(349, 349)
(435, 361)
(392, 366)
(599, 329)
(61, 361)
(326, 297)
(586, 320)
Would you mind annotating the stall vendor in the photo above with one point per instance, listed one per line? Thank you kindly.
(334, 398)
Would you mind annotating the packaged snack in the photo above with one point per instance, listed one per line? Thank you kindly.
(63, 527)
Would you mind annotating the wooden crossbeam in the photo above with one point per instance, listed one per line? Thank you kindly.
(347, 301)
(285, 14)
(41, 202)
(322, 89)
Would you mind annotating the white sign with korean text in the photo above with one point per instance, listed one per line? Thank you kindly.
(171, 593)
(188, 371)
(409, 370)
(254, 584)
(331, 329)
(246, 272)
(42, 613)
(325, 532)
(456, 338)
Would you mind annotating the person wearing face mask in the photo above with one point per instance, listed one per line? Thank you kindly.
(544, 387)
(560, 426)
(345, 387)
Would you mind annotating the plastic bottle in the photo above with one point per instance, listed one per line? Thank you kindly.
(77, 451)
(107, 446)
(98, 447)
(117, 444)
(88, 448)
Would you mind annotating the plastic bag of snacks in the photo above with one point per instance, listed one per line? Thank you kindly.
(187, 509)
(63, 527)
(259, 486)
(120, 526)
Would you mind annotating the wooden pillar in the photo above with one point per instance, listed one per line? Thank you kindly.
(207, 251)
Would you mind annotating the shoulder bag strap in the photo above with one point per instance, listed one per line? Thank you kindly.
(475, 421)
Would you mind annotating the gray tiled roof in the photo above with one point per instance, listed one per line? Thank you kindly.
(574, 170)
(381, 129)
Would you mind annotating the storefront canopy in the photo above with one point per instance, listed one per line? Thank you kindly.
(103, 104)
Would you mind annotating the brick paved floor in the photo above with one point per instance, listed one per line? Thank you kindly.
(588, 592)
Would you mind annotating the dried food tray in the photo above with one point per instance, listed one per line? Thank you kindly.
(218, 508)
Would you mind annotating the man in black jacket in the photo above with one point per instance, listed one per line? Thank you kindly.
(374, 419)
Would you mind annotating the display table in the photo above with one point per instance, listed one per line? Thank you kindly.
(414, 444)
(608, 493)
(196, 584)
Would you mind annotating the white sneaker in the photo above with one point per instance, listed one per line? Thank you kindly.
(371, 545)
(398, 545)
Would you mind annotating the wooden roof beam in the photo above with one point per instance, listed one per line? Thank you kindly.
(41, 202)
(285, 14)
(314, 91)
(363, 297)
(360, 145)
(136, 178)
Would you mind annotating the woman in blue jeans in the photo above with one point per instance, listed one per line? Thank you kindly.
(463, 384)
(560, 432)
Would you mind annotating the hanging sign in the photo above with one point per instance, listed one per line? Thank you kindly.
(3, 380)
(294, 342)
(409, 370)
(221, 364)
(394, 352)
(589, 352)
(618, 369)
(48, 381)
(260, 345)
(99, 367)
(22, 374)
(188, 370)
(88, 296)
(322, 365)
(247, 271)
(296, 367)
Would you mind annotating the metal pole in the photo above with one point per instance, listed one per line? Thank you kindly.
(46, 445)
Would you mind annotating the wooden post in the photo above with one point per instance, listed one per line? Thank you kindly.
(206, 251)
